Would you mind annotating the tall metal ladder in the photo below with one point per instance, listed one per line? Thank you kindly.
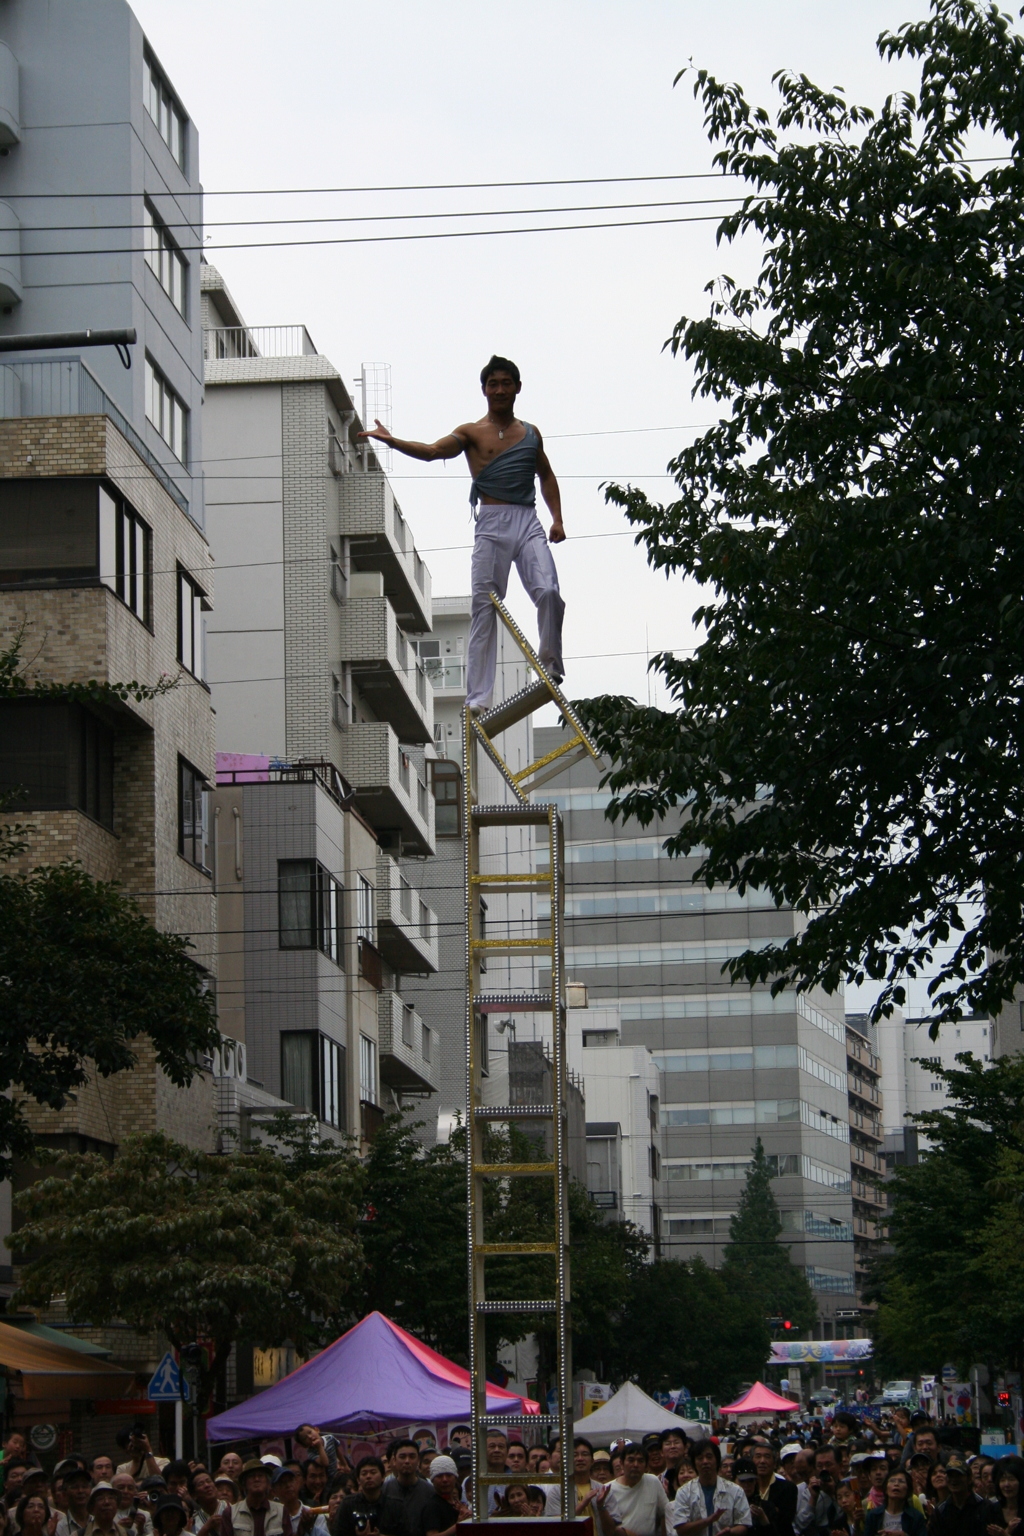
(480, 735)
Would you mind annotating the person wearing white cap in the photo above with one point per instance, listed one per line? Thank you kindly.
(444, 1511)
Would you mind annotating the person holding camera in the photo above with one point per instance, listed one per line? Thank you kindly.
(141, 1460)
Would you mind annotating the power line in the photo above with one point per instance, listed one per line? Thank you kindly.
(385, 218)
(436, 186)
(453, 234)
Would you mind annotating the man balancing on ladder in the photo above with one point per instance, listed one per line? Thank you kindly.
(505, 455)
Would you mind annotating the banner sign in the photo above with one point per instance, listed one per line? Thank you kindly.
(819, 1352)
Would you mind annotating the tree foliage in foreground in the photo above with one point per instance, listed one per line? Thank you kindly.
(953, 1288)
(414, 1238)
(259, 1245)
(83, 973)
(848, 735)
(756, 1263)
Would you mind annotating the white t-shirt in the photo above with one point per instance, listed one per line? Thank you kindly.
(642, 1508)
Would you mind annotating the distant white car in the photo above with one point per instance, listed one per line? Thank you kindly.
(898, 1394)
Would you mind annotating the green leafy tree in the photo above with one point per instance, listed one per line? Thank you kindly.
(83, 973)
(685, 1324)
(414, 1237)
(953, 1288)
(756, 1262)
(847, 737)
(200, 1247)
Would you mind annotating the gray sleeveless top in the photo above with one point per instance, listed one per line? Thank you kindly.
(510, 475)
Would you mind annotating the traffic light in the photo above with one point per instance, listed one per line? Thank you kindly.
(1003, 1398)
(787, 1325)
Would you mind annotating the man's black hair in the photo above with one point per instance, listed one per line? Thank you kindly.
(849, 1419)
(460, 1429)
(499, 365)
(369, 1461)
(702, 1446)
(177, 1469)
(585, 1444)
(401, 1445)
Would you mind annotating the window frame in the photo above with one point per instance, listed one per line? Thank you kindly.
(165, 408)
(369, 1075)
(445, 771)
(191, 603)
(168, 118)
(122, 537)
(163, 255)
(326, 1068)
(325, 897)
(189, 778)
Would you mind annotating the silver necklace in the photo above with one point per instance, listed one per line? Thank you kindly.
(501, 432)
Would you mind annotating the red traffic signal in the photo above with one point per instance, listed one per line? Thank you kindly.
(787, 1324)
(1004, 1399)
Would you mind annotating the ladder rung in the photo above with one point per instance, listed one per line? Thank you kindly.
(493, 1307)
(514, 1002)
(521, 1477)
(552, 770)
(511, 883)
(549, 757)
(510, 1250)
(514, 1111)
(515, 708)
(514, 1170)
(517, 1418)
(510, 815)
(517, 944)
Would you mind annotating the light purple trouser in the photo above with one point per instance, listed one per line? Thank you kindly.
(507, 534)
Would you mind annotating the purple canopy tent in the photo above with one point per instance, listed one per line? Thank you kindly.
(374, 1375)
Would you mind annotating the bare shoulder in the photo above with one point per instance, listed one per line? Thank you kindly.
(469, 431)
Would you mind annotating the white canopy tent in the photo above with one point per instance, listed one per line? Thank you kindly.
(632, 1414)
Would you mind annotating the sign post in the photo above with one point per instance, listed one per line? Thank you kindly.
(166, 1385)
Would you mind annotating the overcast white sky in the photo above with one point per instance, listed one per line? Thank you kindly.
(317, 94)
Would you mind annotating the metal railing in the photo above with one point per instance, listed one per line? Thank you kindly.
(233, 341)
(445, 672)
(63, 386)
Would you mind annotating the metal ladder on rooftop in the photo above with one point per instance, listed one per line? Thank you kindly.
(480, 736)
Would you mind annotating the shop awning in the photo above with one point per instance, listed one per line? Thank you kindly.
(57, 1371)
(58, 1336)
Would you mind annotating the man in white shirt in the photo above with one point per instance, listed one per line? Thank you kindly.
(635, 1504)
(707, 1503)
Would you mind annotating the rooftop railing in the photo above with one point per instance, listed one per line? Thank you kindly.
(228, 341)
(63, 386)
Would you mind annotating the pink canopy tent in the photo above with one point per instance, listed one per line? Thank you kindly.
(376, 1374)
(761, 1399)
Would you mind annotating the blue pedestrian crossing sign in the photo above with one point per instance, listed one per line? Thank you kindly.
(165, 1384)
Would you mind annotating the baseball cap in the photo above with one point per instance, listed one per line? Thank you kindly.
(651, 1442)
(792, 1449)
(602, 1455)
(955, 1463)
(743, 1468)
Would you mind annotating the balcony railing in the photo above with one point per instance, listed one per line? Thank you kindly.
(227, 341)
(63, 386)
(445, 672)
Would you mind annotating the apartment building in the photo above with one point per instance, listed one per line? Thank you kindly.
(324, 723)
(908, 1087)
(867, 1149)
(734, 1063)
(105, 571)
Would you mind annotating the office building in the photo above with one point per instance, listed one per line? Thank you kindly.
(867, 1149)
(908, 1086)
(734, 1063)
(324, 713)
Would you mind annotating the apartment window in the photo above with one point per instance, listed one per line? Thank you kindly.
(191, 627)
(167, 412)
(310, 908)
(366, 926)
(163, 258)
(126, 554)
(162, 108)
(446, 782)
(191, 814)
(367, 1070)
(56, 757)
(313, 1075)
(427, 1042)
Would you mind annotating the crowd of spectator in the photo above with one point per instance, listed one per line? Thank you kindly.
(851, 1478)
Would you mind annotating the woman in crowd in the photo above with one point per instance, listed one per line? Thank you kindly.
(34, 1516)
(1006, 1511)
(897, 1514)
(936, 1489)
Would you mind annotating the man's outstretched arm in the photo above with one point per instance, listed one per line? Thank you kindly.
(552, 495)
(445, 448)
